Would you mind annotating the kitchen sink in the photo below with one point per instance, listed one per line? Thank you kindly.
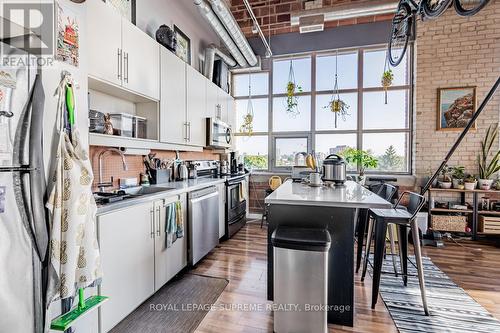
(144, 190)
(129, 193)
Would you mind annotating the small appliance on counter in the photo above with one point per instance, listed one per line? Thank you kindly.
(224, 168)
(334, 169)
(182, 172)
(209, 168)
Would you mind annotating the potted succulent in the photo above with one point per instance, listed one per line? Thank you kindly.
(497, 184)
(458, 175)
(365, 160)
(488, 169)
(470, 182)
(292, 88)
(445, 181)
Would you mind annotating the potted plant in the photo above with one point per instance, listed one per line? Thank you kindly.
(470, 182)
(445, 181)
(458, 175)
(487, 169)
(365, 160)
(292, 88)
(497, 184)
(387, 79)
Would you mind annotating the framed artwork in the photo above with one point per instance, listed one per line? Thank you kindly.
(183, 49)
(126, 8)
(456, 106)
(68, 36)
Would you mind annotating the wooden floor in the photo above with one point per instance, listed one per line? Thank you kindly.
(242, 305)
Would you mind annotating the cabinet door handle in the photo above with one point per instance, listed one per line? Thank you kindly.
(126, 66)
(152, 217)
(189, 131)
(158, 221)
(119, 64)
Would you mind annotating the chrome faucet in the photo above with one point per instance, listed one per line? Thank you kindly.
(101, 185)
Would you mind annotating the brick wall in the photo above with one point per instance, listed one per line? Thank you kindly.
(274, 15)
(453, 51)
(112, 166)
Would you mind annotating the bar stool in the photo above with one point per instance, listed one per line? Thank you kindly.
(403, 218)
(389, 193)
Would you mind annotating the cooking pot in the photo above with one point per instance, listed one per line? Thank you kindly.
(334, 169)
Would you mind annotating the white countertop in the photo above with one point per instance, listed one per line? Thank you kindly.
(171, 189)
(351, 195)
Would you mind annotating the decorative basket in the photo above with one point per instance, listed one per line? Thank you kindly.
(456, 223)
(489, 225)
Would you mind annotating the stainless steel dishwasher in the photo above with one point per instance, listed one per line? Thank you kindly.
(203, 214)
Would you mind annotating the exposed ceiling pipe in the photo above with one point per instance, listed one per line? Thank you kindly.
(210, 53)
(219, 29)
(227, 19)
(256, 24)
(347, 11)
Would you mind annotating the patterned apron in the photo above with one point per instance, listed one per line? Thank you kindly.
(74, 251)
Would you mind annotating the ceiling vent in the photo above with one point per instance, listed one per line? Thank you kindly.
(312, 23)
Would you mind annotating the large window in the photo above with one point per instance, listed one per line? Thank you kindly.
(384, 129)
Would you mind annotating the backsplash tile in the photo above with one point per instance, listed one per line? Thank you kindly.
(113, 167)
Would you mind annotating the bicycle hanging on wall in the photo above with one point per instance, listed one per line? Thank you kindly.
(403, 23)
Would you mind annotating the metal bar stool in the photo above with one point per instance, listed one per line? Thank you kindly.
(389, 193)
(403, 218)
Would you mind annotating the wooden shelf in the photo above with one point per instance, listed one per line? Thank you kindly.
(488, 212)
(96, 139)
(446, 210)
(436, 189)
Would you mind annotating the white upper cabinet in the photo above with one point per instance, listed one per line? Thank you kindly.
(173, 124)
(141, 61)
(104, 41)
(120, 53)
(212, 108)
(196, 107)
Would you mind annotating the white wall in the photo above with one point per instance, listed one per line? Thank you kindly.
(184, 14)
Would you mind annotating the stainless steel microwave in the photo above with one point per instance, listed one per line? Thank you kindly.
(219, 134)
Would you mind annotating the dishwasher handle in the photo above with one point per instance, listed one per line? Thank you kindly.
(194, 200)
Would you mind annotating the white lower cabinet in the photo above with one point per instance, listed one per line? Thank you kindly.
(134, 257)
(127, 260)
(168, 262)
(222, 209)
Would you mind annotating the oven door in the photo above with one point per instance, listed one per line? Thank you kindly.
(219, 134)
(235, 206)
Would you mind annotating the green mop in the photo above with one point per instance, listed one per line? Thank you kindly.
(85, 306)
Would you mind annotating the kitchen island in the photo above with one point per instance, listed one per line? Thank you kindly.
(331, 208)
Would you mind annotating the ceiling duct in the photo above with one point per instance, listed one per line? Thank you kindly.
(210, 53)
(227, 19)
(313, 23)
(349, 11)
(219, 29)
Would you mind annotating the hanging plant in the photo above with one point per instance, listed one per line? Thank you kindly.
(292, 88)
(247, 126)
(336, 105)
(387, 78)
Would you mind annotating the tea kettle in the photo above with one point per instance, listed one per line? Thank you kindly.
(182, 172)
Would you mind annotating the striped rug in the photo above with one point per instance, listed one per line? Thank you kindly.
(452, 309)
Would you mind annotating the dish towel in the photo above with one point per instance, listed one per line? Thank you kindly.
(174, 228)
(74, 250)
(243, 190)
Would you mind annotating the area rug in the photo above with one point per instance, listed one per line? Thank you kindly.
(178, 307)
(452, 309)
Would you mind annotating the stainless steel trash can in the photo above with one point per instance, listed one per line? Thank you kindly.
(300, 280)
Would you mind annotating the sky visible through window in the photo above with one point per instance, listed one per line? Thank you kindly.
(384, 129)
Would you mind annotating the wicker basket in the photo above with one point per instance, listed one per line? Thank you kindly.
(456, 223)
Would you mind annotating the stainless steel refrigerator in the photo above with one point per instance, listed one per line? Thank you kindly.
(23, 226)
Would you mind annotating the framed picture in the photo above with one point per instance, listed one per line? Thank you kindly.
(126, 8)
(67, 36)
(456, 106)
(183, 49)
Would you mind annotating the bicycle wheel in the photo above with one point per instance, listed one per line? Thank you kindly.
(469, 7)
(434, 8)
(400, 34)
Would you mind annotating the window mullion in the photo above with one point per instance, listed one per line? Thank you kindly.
(360, 102)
